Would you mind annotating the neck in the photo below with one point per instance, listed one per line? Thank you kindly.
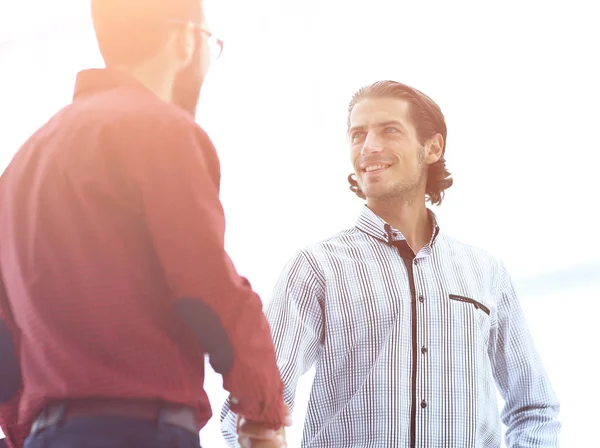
(152, 79)
(409, 216)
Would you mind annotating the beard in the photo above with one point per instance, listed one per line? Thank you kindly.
(403, 188)
(188, 83)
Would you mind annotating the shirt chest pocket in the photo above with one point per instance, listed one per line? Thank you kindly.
(472, 314)
(476, 303)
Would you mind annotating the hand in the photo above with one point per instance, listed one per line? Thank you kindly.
(256, 435)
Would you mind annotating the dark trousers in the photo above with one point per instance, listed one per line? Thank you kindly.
(112, 432)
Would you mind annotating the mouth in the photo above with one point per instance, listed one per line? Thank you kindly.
(375, 168)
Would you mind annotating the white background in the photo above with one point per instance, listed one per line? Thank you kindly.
(517, 81)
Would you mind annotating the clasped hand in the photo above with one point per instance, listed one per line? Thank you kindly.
(256, 435)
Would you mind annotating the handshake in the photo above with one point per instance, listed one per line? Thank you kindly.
(256, 435)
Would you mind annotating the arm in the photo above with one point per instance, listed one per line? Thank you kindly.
(174, 171)
(531, 409)
(11, 384)
(296, 318)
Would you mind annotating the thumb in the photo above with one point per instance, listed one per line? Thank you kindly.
(288, 421)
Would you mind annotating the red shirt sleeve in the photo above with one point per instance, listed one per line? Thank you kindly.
(9, 411)
(176, 174)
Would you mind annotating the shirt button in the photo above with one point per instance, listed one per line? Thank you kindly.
(421, 299)
(423, 349)
(423, 404)
(235, 400)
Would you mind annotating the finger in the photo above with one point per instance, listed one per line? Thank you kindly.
(245, 442)
(277, 442)
(239, 422)
(288, 421)
(255, 431)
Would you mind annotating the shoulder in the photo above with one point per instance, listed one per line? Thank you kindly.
(311, 268)
(151, 118)
(467, 254)
(140, 129)
(311, 254)
(321, 257)
(333, 246)
(128, 116)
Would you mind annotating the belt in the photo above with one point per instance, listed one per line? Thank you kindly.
(166, 413)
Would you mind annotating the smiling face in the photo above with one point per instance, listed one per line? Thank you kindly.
(389, 160)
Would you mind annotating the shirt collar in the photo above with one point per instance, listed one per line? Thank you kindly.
(371, 224)
(93, 80)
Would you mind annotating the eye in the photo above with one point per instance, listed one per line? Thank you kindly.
(357, 136)
(390, 130)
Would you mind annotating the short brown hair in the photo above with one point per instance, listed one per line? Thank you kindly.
(428, 120)
(132, 31)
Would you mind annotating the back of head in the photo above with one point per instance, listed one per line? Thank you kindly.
(132, 31)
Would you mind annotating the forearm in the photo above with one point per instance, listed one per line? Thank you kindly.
(296, 323)
(534, 427)
(176, 185)
(531, 410)
(9, 422)
(229, 426)
(10, 386)
(254, 381)
(238, 341)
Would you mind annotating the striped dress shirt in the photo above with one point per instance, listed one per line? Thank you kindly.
(410, 350)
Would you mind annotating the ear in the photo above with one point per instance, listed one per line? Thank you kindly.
(185, 41)
(434, 149)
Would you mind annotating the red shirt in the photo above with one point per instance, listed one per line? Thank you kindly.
(110, 215)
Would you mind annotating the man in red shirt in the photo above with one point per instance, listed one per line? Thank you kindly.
(114, 278)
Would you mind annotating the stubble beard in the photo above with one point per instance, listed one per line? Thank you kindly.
(405, 192)
(188, 84)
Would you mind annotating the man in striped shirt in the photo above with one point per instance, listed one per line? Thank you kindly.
(412, 332)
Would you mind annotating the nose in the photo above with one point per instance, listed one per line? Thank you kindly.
(372, 145)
